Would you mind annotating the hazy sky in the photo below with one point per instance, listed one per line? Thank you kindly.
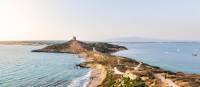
(99, 19)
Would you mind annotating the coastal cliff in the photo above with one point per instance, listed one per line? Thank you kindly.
(116, 71)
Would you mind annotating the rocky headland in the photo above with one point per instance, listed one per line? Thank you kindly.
(75, 47)
(115, 71)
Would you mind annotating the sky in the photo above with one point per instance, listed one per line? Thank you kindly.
(99, 19)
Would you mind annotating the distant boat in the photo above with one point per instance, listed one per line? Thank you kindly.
(178, 50)
(166, 52)
(194, 54)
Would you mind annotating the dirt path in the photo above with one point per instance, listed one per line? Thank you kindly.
(116, 71)
(138, 66)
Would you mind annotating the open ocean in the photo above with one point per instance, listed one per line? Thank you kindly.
(19, 67)
(177, 57)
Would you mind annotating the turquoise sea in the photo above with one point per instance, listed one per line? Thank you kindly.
(177, 57)
(19, 67)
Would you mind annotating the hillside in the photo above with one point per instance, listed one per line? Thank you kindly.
(76, 46)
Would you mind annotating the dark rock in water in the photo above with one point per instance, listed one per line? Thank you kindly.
(74, 46)
(82, 65)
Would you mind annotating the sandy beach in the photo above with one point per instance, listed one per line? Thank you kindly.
(95, 79)
(96, 74)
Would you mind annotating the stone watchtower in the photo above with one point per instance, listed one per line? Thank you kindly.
(74, 38)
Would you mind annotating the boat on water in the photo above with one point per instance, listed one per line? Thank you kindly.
(194, 54)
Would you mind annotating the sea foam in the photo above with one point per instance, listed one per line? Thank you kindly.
(82, 81)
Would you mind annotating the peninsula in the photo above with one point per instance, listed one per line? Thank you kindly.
(115, 71)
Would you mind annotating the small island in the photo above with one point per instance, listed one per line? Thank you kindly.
(115, 71)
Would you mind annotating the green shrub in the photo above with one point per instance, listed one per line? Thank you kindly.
(127, 82)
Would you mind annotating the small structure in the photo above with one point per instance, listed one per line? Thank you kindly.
(94, 49)
(194, 54)
(74, 38)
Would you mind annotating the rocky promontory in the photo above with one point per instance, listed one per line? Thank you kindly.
(75, 47)
(116, 71)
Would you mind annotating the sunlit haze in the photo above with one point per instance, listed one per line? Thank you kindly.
(99, 19)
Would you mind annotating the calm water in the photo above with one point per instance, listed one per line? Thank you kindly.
(19, 67)
(170, 56)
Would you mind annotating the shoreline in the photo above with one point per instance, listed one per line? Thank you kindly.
(95, 72)
(80, 81)
(93, 78)
(113, 71)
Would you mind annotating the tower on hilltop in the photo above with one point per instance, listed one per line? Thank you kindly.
(74, 38)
